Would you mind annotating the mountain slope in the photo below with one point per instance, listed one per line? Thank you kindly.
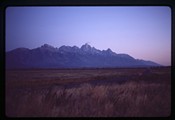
(47, 56)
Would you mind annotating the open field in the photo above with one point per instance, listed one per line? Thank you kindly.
(122, 92)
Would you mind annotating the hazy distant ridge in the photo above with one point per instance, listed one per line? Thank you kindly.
(47, 56)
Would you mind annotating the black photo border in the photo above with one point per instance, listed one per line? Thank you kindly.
(9, 3)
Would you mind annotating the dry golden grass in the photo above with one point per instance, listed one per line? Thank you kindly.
(134, 98)
(125, 100)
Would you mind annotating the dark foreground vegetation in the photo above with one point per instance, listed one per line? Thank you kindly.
(136, 92)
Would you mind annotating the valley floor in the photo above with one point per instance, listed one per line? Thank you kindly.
(132, 92)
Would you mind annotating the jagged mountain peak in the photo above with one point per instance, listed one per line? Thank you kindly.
(47, 46)
(69, 49)
(86, 47)
(87, 44)
(109, 50)
(64, 46)
(75, 47)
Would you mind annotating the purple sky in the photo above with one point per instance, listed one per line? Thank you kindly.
(142, 32)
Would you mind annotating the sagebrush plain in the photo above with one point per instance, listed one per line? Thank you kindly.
(109, 92)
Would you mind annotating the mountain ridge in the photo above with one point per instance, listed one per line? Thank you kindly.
(48, 56)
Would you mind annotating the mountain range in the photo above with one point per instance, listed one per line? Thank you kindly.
(48, 56)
